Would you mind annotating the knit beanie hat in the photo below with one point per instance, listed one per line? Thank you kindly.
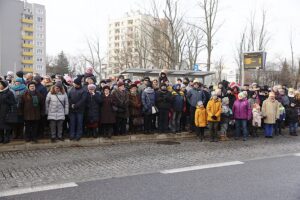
(77, 81)
(37, 78)
(91, 87)
(59, 84)
(20, 74)
(20, 80)
(3, 83)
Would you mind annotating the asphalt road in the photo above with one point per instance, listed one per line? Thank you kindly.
(257, 179)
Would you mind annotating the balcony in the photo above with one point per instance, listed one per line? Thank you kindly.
(28, 62)
(28, 69)
(28, 29)
(27, 21)
(27, 53)
(30, 46)
(27, 37)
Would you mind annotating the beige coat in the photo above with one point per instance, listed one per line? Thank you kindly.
(270, 111)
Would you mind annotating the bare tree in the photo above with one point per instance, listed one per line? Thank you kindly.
(194, 44)
(219, 67)
(167, 33)
(239, 53)
(209, 28)
(94, 57)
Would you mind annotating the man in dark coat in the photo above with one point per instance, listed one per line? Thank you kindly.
(7, 100)
(121, 101)
(94, 100)
(164, 104)
(77, 100)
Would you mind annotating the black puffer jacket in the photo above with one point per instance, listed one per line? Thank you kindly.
(7, 100)
(164, 100)
(93, 103)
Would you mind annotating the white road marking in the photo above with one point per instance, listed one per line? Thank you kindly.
(192, 168)
(297, 154)
(36, 189)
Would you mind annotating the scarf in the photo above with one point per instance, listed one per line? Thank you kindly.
(35, 99)
(19, 87)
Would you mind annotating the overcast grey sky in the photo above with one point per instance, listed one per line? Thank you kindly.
(70, 21)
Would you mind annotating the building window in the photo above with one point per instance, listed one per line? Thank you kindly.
(41, 28)
(39, 60)
(39, 35)
(130, 22)
(116, 44)
(117, 24)
(40, 11)
(117, 37)
(39, 19)
(117, 31)
(39, 51)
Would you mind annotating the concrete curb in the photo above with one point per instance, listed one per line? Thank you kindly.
(87, 142)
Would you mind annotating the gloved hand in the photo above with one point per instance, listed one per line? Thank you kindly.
(214, 117)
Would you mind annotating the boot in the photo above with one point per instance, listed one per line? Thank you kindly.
(95, 133)
(202, 137)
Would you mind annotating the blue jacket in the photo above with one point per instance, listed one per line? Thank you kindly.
(178, 101)
(148, 100)
(194, 96)
(77, 96)
(41, 89)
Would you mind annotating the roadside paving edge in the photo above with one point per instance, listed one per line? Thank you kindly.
(87, 142)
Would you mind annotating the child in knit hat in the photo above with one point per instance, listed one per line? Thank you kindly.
(256, 120)
(225, 119)
(200, 119)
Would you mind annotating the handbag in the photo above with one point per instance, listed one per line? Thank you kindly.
(154, 109)
(138, 121)
(12, 115)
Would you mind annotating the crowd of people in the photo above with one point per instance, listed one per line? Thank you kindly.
(58, 107)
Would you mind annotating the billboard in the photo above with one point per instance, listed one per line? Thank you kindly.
(254, 60)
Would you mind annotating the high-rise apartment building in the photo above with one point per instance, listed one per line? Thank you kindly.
(22, 37)
(130, 42)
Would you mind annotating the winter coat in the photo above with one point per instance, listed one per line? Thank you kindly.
(7, 100)
(164, 100)
(200, 117)
(148, 100)
(283, 99)
(231, 98)
(241, 110)
(214, 108)
(178, 99)
(41, 89)
(282, 115)
(57, 106)
(257, 116)
(31, 112)
(77, 96)
(19, 92)
(195, 95)
(226, 114)
(93, 103)
(292, 115)
(270, 111)
(108, 115)
(135, 105)
(121, 101)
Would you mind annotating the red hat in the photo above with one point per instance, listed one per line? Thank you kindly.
(120, 83)
(137, 82)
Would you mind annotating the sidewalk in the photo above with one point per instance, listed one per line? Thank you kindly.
(86, 142)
